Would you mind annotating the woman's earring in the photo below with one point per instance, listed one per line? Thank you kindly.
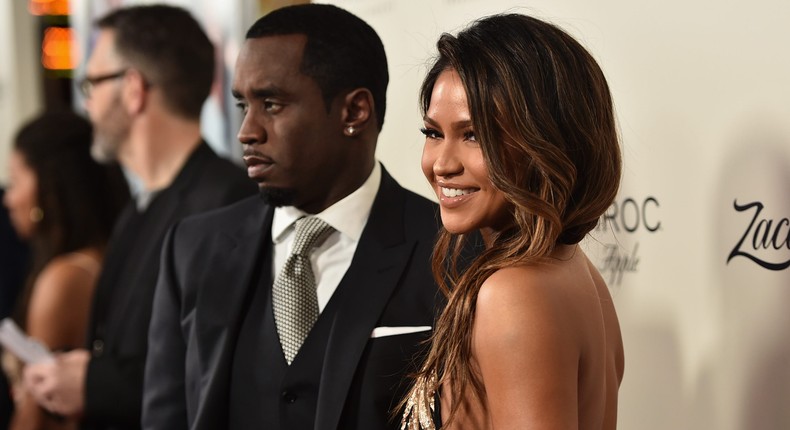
(36, 214)
(350, 130)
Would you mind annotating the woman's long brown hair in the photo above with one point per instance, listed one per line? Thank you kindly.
(79, 198)
(543, 115)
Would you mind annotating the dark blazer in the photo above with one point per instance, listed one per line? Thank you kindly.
(209, 268)
(118, 328)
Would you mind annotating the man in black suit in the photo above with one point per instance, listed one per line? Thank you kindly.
(147, 78)
(311, 81)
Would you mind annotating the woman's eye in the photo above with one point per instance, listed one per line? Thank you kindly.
(470, 135)
(430, 133)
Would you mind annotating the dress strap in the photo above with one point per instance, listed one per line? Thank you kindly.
(84, 261)
(419, 413)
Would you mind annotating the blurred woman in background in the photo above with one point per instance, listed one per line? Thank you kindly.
(64, 205)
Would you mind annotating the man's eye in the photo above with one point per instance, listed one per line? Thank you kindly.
(242, 107)
(272, 107)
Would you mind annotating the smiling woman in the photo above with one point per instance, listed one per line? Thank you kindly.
(454, 166)
(521, 147)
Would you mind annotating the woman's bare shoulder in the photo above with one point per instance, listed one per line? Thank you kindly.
(555, 299)
(60, 302)
(525, 285)
(526, 347)
(69, 271)
(519, 299)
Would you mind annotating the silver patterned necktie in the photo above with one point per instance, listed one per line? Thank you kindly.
(294, 298)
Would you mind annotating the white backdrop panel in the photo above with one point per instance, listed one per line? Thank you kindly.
(701, 91)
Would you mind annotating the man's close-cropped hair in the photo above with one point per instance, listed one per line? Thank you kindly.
(170, 49)
(342, 52)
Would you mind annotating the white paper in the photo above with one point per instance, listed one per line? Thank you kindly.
(25, 348)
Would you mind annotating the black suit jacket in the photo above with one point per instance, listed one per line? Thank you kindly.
(118, 330)
(209, 268)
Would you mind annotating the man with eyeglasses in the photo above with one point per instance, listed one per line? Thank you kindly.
(149, 73)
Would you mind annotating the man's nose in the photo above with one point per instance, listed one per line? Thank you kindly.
(251, 132)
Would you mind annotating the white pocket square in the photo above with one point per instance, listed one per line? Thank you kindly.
(392, 331)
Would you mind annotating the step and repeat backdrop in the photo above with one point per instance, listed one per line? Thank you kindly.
(696, 247)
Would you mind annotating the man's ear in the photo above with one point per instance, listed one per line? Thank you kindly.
(135, 92)
(358, 112)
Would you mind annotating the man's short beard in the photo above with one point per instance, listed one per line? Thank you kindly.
(102, 153)
(277, 196)
(109, 133)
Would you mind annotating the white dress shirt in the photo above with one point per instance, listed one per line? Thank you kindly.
(332, 258)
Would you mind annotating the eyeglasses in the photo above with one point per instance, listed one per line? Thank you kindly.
(88, 83)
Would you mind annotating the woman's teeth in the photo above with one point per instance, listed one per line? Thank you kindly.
(455, 192)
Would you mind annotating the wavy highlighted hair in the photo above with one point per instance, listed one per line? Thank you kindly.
(543, 115)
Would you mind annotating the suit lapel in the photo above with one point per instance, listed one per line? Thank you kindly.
(167, 207)
(223, 300)
(380, 258)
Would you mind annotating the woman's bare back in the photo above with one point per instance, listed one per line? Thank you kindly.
(546, 345)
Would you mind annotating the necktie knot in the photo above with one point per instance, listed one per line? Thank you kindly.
(310, 232)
